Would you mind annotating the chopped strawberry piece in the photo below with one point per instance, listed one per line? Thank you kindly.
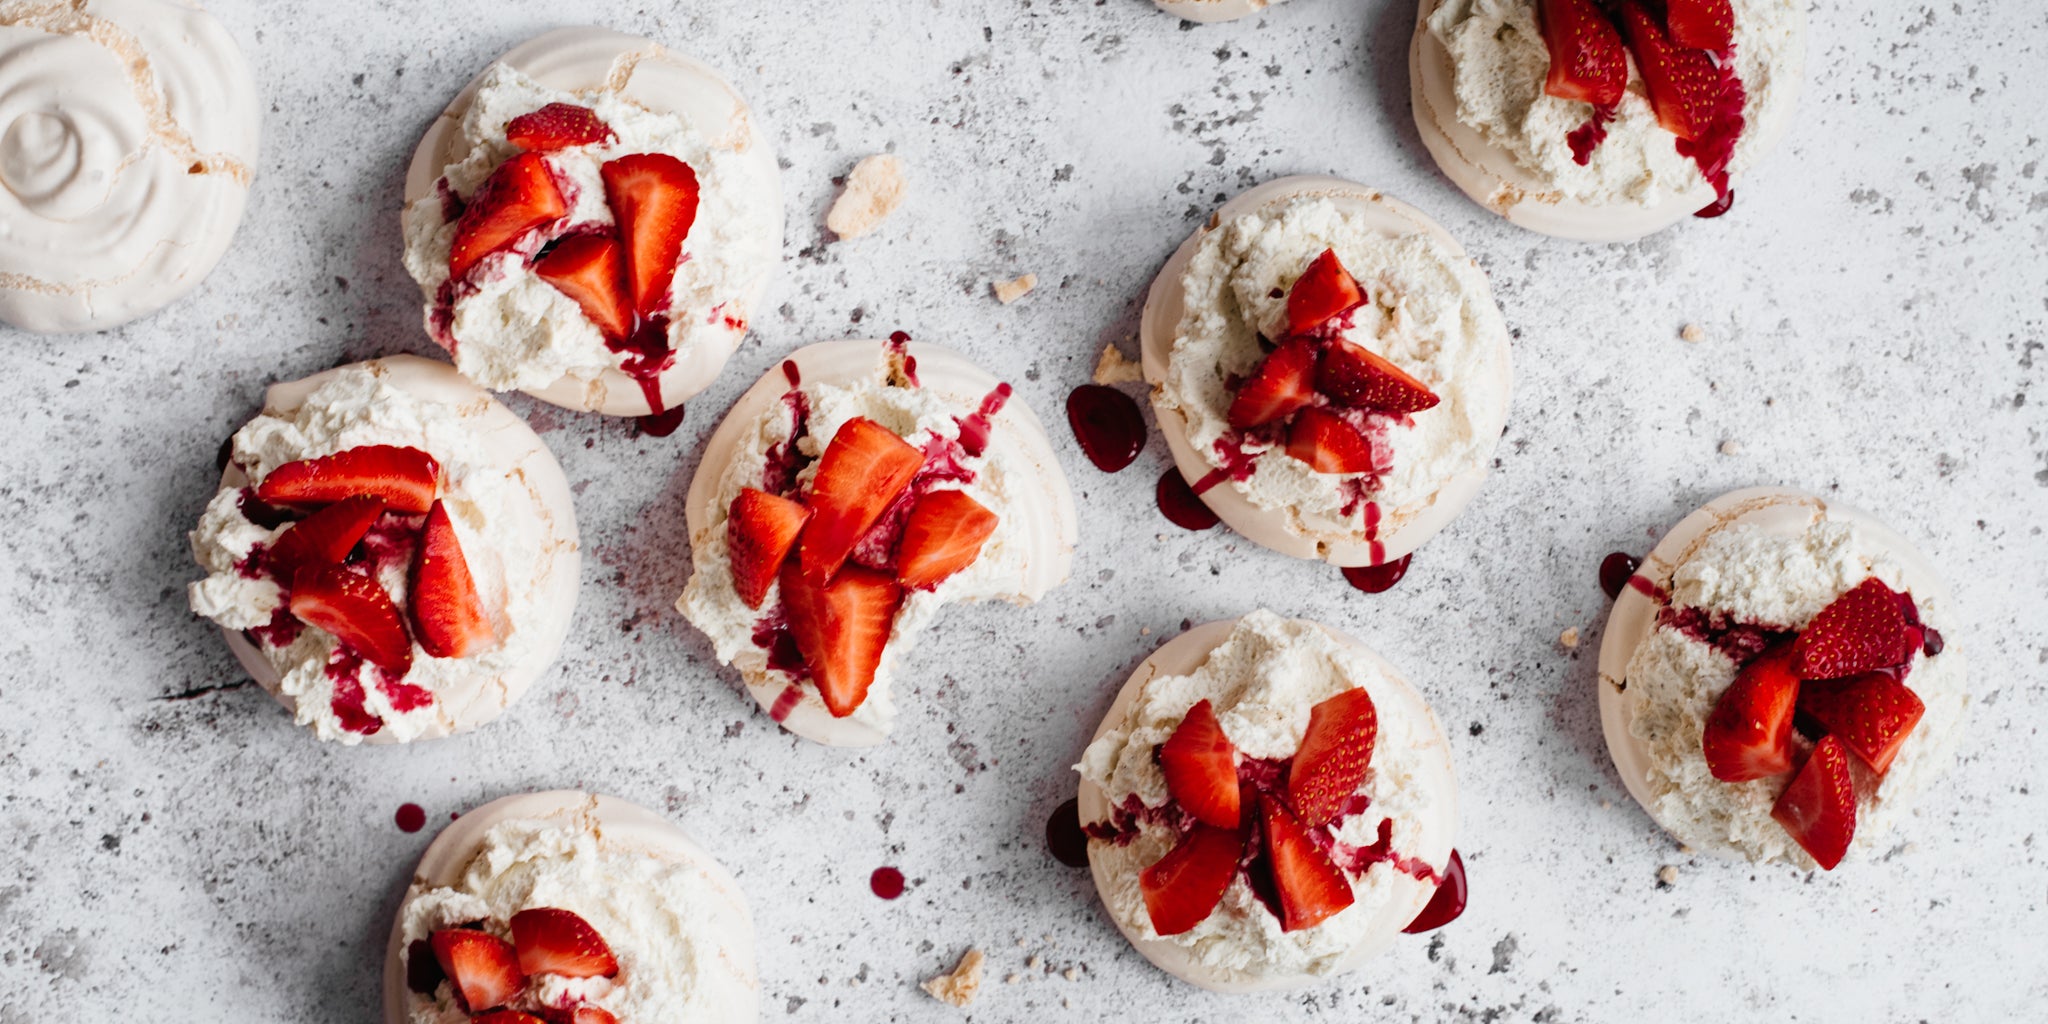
(1681, 81)
(943, 535)
(1748, 735)
(1328, 444)
(591, 270)
(518, 197)
(1183, 887)
(1861, 631)
(863, 470)
(1335, 752)
(1201, 767)
(841, 629)
(1700, 24)
(551, 940)
(326, 537)
(761, 528)
(1356, 376)
(356, 610)
(404, 478)
(1872, 714)
(592, 1015)
(653, 197)
(447, 613)
(559, 126)
(1324, 292)
(1587, 61)
(506, 1017)
(1281, 385)
(482, 966)
(1819, 807)
(1311, 888)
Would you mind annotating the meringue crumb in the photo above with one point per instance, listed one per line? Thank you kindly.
(1072, 974)
(1112, 368)
(1015, 288)
(1684, 849)
(1034, 963)
(1145, 631)
(873, 191)
(959, 987)
(1012, 979)
(1731, 447)
(1693, 333)
(1570, 637)
(1606, 805)
(1020, 942)
(1668, 874)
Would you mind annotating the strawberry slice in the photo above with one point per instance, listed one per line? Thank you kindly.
(518, 197)
(1324, 292)
(1281, 385)
(1819, 807)
(482, 967)
(591, 269)
(356, 610)
(559, 126)
(653, 197)
(1699, 24)
(1683, 83)
(1748, 735)
(1861, 631)
(841, 629)
(1587, 61)
(943, 535)
(592, 1015)
(1328, 444)
(863, 470)
(761, 528)
(326, 537)
(1872, 714)
(447, 615)
(1311, 888)
(1335, 752)
(1201, 767)
(403, 477)
(551, 940)
(506, 1017)
(1183, 887)
(1355, 376)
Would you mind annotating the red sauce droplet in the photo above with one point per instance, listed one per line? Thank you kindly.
(1108, 425)
(410, 817)
(791, 373)
(1376, 579)
(1063, 835)
(661, 424)
(1615, 570)
(1447, 904)
(1718, 207)
(886, 882)
(1180, 503)
(647, 355)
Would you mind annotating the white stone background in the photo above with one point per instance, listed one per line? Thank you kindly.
(178, 851)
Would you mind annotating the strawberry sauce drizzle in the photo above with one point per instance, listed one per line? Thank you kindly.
(785, 702)
(647, 355)
(1180, 503)
(410, 818)
(1448, 903)
(1741, 641)
(1064, 837)
(1648, 588)
(899, 353)
(1587, 137)
(1108, 425)
(1615, 571)
(1379, 577)
(975, 427)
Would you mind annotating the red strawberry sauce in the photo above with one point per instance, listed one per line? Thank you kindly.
(1108, 425)
(1447, 904)
(410, 817)
(1063, 835)
(1615, 571)
(1180, 504)
(1380, 577)
(886, 883)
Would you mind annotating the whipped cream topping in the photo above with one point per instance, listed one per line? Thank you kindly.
(675, 929)
(1499, 62)
(127, 138)
(1262, 682)
(506, 539)
(1744, 576)
(1428, 311)
(507, 328)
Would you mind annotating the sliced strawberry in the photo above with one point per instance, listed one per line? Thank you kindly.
(1861, 631)
(1281, 385)
(1328, 444)
(1700, 24)
(1324, 292)
(1355, 376)
(518, 197)
(447, 614)
(356, 610)
(559, 126)
(1684, 83)
(591, 270)
(761, 528)
(1748, 735)
(1335, 752)
(551, 940)
(326, 537)
(482, 966)
(1201, 767)
(943, 535)
(592, 1015)
(841, 629)
(1819, 807)
(653, 197)
(1183, 887)
(1311, 887)
(1587, 61)
(1872, 714)
(506, 1017)
(863, 470)
(403, 477)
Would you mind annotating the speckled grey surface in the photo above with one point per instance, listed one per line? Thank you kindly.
(1873, 309)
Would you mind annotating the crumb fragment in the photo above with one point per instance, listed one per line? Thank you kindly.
(1112, 368)
(1072, 974)
(1015, 288)
(958, 988)
(873, 191)
(1570, 637)
(1668, 874)
(1731, 447)
(1693, 333)
(1034, 963)
(1684, 849)
(1012, 979)
(1606, 805)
